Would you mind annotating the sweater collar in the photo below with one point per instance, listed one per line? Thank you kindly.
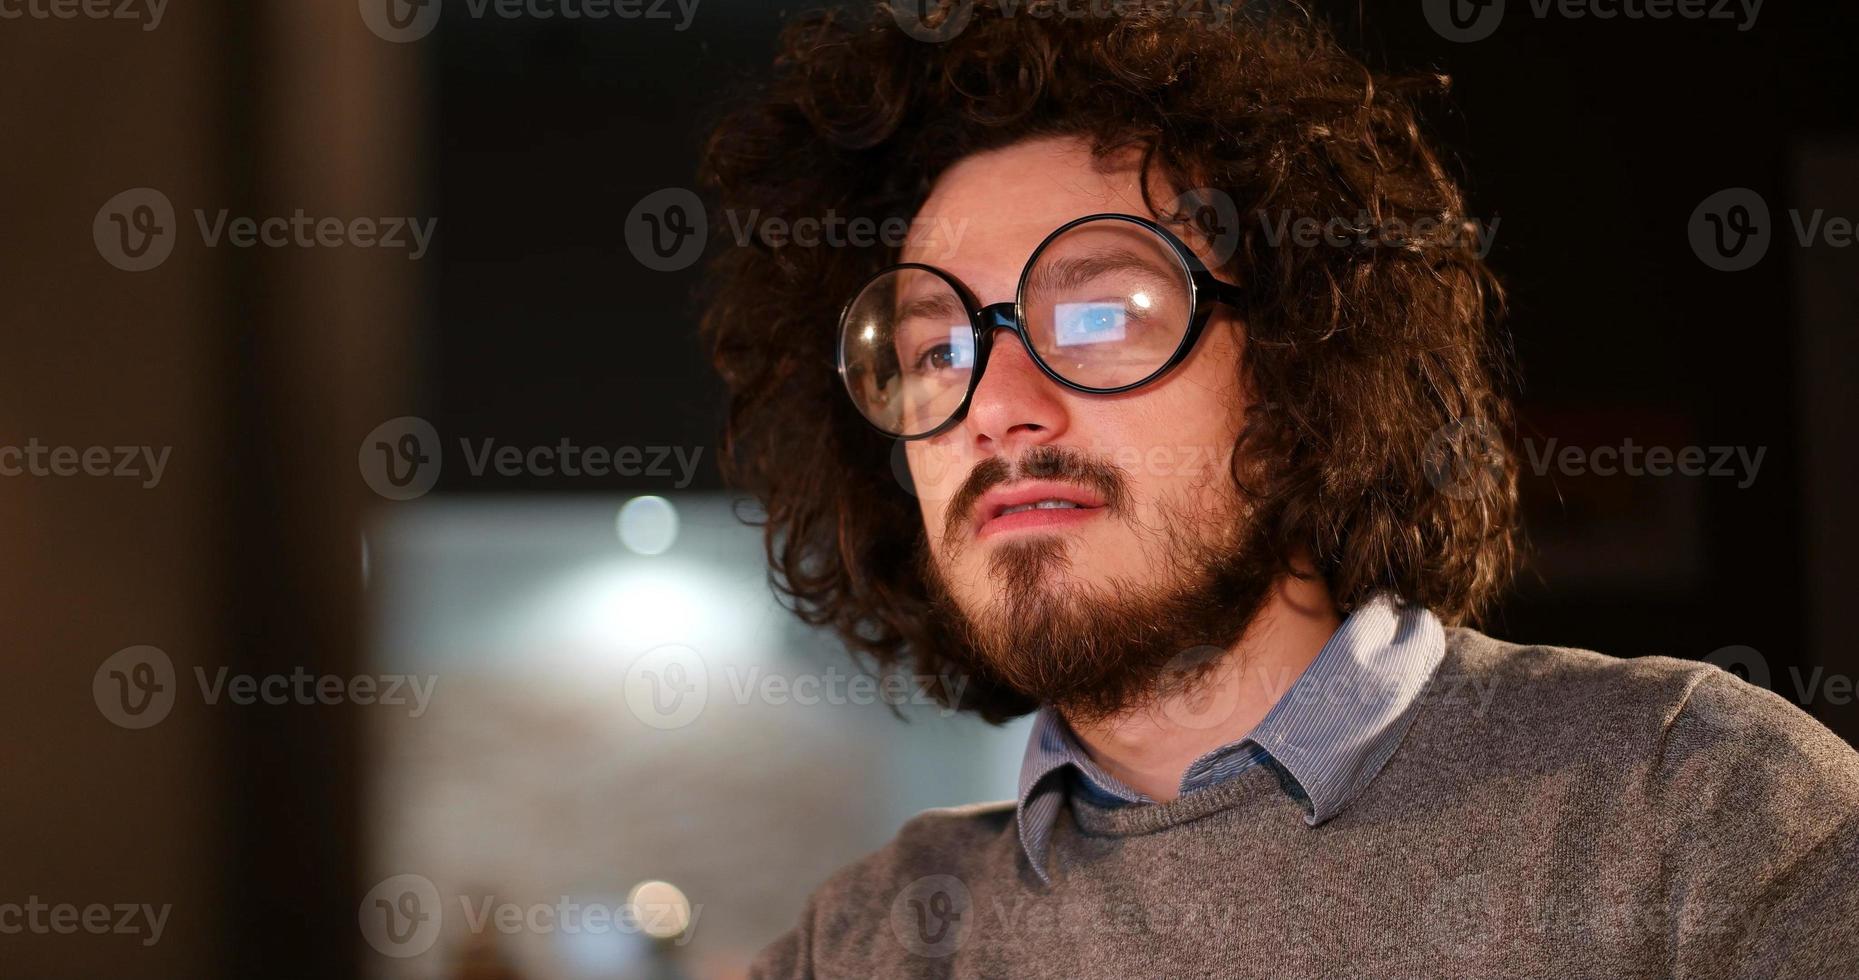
(1330, 733)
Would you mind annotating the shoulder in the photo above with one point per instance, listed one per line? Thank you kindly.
(852, 921)
(1744, 807)
(954, 841)
(943, 841)
(1559, 678)
(1678, 722)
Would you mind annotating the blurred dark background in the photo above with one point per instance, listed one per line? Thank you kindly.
(1585, 146)
(1588, 143)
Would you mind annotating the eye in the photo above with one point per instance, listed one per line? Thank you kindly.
(957, 354)
(941, 357)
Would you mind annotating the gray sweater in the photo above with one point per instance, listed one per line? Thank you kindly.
(1593, 817)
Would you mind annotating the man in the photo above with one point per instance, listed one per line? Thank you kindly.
(1216, 499)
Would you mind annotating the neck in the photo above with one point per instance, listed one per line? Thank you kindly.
(1150, 747)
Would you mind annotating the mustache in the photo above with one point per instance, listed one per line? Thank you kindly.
(1038, 463)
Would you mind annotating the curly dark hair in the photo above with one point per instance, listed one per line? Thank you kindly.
(1374, 362)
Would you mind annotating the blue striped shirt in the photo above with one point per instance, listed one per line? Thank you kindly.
(1331, 731)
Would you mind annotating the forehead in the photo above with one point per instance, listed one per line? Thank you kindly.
(989, 211)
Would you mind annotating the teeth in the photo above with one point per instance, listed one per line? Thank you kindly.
(1039, 505)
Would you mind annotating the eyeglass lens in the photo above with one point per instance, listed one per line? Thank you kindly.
(1107, 303)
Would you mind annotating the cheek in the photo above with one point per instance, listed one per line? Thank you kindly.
(934, 476)
(1173, 441)
(1211, 397)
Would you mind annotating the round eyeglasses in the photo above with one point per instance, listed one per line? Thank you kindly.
(1107, 303)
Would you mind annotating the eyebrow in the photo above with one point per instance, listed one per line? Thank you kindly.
(1064, 273)
(932, 305)
(1054, 274)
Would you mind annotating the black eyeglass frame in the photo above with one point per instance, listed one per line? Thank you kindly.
(1204, 291)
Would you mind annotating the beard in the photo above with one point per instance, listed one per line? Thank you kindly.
(1096, 651)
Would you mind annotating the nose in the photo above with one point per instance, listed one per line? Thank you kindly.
(1014, 405)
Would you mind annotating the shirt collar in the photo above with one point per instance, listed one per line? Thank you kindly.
(1332, 730)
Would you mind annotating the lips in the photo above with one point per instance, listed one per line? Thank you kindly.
(1036, 504)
